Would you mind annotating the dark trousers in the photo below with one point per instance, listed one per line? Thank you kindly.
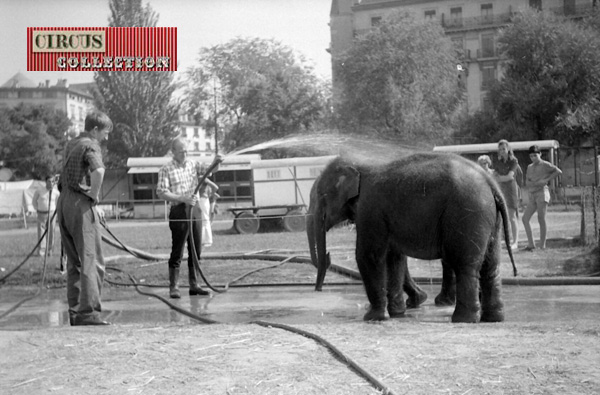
(179, 225)
(82, 240)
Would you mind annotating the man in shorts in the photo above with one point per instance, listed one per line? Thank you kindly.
(539, 174)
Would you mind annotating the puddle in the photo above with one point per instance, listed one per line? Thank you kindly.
(291, 305)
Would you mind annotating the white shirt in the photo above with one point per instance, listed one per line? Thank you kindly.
(40, 200)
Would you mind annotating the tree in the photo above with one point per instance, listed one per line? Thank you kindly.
(30, 140)
(400, 79)
(140, 103)
(255, 90)
(551, 84)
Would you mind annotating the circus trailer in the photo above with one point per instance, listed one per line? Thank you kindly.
(280, 191)
(233, 178)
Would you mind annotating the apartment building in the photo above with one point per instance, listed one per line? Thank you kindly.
(201, 143)
(74, 100)
(472, 26)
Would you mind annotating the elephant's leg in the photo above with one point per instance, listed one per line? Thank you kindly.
(416, 295)
(465, 256)
(447, 295)
(396, 269)
(492, 308)
(467, 294)
(370, 259)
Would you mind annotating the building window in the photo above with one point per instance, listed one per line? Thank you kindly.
(25, 95)
(456, 16)
(196, 132)
(208, 146)
(196, 146)
(72, 111)
(487, 14)
(487, 46)
(488, 76)
(375, 21)
(536, 4)
(459, 46)
(429, 15)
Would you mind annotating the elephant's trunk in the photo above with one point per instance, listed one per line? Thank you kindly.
(323, 259)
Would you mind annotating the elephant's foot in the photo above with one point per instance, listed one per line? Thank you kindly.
(416, 300)
(396, 307)
(444, 299)
(396, 311)
(464, 314)
(492, 316)
(374, 315)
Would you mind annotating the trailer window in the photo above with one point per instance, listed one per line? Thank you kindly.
(224, 176)
(272, 174)
(243, 191)
(142, 194)
(144, 178)
(242, 175)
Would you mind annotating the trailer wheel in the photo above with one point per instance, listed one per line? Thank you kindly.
(294, 221)
(246, 223)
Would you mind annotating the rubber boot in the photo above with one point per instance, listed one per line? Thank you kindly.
(194, 287)
(173, 280)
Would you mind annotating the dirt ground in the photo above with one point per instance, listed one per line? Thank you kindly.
(409, 358)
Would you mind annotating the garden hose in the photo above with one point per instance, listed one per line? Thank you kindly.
(39, 290)
(338, 354)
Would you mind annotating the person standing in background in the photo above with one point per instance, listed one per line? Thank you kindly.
(505, 169)
(44, 203)
(207, 196)
(539, 174)
(485, 162)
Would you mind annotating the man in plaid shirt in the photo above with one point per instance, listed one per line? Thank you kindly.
(177, 181)
(79, 220)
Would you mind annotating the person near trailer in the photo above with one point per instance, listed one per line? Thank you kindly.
(485, 162)
(539, 174)
(506, 168)
(79, 220)
(44, 203)
(208, 196)
(177, 182)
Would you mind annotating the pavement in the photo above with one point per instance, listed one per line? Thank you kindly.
(289, 305)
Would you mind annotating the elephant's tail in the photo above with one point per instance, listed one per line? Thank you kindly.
(501, 207)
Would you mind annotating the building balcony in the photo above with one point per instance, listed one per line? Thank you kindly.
(573, 11)
(476, 22)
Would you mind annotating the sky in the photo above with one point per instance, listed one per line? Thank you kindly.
(299, 24)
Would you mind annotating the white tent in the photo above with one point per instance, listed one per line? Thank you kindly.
(15, 196)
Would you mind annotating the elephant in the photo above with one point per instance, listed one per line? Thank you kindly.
(416, 296)
(425, 205)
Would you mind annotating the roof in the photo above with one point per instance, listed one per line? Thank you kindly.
(290, 162)
(489, 147)
(19, 81)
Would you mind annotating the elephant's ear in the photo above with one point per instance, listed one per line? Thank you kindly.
(348, 183)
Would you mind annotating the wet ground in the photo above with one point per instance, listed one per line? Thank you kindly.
(289, 305)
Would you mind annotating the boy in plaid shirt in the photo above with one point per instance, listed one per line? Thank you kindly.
(79, 220)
